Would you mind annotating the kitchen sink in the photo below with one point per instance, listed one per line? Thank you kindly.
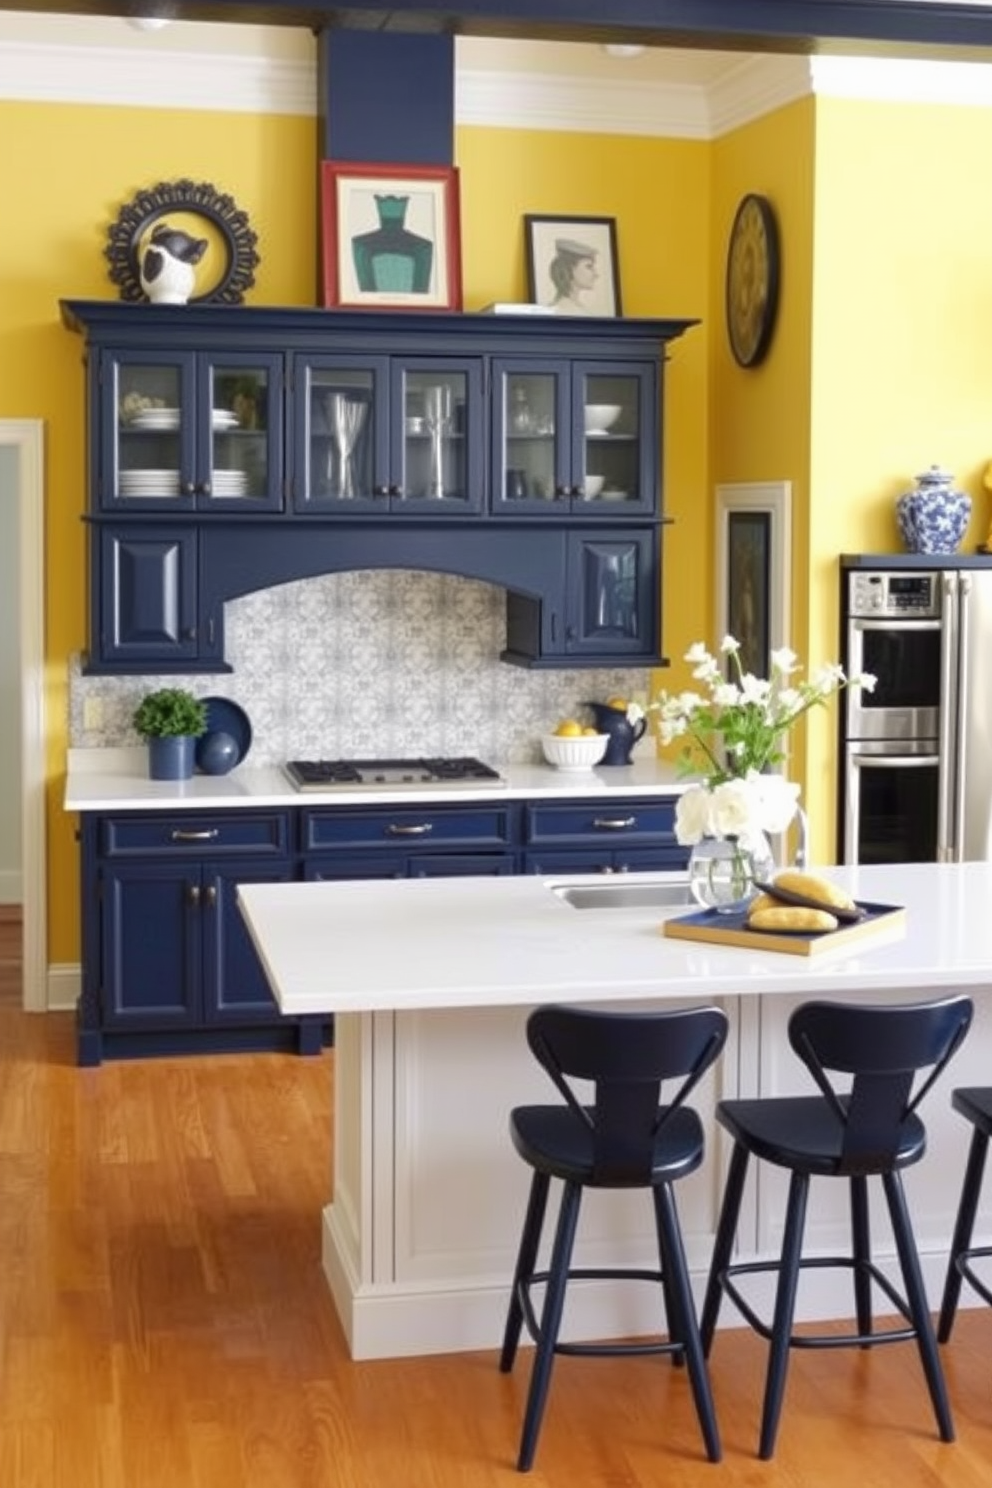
(624, 896)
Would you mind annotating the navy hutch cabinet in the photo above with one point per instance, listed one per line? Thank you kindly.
(234, 448)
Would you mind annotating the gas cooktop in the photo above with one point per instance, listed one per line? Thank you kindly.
(403, 774)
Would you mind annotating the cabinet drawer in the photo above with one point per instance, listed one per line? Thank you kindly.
(610, 822)
(427, 826)
(195, 833)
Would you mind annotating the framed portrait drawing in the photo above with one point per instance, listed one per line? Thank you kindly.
(390, 236)
(753, 579)
(572, 265)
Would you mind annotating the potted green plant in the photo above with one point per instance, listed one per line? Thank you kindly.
(171, 719)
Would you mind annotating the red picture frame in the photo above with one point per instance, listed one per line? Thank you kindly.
(390, 236)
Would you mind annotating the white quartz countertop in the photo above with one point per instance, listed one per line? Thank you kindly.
(117, 779)
(488, 942)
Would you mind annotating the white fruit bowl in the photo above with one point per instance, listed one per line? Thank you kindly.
(601, 416)
(577, 752)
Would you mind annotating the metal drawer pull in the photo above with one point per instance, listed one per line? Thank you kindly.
(178, 835)
(421, 829)
(194, 895)
(614, 823)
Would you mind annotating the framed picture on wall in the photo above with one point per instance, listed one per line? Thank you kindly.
(753, 579)
(390, 236)
(572, 265)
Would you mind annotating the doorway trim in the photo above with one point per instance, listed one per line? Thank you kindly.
(26, 436)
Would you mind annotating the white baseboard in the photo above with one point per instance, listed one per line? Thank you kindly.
(396, 1320)
(62, 993)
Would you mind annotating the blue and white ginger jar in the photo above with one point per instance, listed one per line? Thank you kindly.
(933, 516)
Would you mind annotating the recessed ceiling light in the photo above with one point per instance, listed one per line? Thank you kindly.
(621, 49)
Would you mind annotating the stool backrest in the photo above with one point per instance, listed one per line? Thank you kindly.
(627, 1057)
(894, 1054)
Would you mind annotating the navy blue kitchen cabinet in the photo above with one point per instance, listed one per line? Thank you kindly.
(622, 835)
(187, 431)
(168, 966)
(388, 436)
(283, 443)
(575, 440)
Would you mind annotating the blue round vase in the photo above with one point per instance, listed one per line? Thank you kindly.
(933, 516)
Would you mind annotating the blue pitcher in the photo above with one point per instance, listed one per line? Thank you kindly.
(622, 734)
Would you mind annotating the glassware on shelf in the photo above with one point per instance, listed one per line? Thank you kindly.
(521, 417)
(437, 416)
(346, 419)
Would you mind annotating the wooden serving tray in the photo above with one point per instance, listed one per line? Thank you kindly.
(731, 930)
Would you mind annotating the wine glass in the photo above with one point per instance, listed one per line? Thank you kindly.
(437, 415)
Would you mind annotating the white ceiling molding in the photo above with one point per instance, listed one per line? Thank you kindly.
(756, 86)
(527, 100)
(225, 82)
(256, 82)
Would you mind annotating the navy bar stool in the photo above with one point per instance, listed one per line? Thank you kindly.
(890, 1057)
(626, 1138)
(975, 1105)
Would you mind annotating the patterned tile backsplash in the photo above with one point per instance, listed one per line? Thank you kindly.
(376, 663)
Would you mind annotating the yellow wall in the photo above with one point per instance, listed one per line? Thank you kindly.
(878, 367)
(84, 164)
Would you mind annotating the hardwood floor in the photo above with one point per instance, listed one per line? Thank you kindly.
(164, 1321)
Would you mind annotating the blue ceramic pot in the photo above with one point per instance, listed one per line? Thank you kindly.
(933, 516)
(171, 758)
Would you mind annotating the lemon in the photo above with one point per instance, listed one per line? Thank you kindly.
(590, 733)
(568, 728)
(617, 702)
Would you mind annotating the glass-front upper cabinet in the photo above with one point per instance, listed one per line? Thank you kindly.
(576, 439)
(191, 431)
(389, 436)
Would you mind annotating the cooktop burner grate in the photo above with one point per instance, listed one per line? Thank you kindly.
(398, 774)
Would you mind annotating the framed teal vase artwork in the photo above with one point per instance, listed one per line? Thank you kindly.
(390, 236)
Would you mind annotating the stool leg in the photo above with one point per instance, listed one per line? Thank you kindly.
(963, 1227)
(674, 1266)
(530, 1239)
(861, 1251)
(917, 1298)
(723, 1245)
(785, 1306)
(554, 1302)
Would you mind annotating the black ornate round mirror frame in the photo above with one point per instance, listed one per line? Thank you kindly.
(202, 200)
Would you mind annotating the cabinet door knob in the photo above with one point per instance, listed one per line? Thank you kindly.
(194, 895)
(380, 491)
(204, 488)
(396, 490)
(188, 488)
(575, 491)
(561, 491)
(210, 895)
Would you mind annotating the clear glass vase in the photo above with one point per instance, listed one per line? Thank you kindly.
(723, 874)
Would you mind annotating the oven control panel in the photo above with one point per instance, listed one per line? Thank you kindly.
(883, 596)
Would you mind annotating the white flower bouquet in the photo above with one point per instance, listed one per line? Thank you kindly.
(734, 736)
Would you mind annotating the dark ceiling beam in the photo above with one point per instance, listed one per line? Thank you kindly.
(892, 27)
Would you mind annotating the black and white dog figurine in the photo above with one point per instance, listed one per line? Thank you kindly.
(167, 270)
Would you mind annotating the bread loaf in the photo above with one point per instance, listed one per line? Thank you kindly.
(793, 881)
(792, 917)
(763, 901)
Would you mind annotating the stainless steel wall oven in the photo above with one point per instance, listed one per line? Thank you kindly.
(916, 753)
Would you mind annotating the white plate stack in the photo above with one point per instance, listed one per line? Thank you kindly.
(161, 483)
(229, 483)
(161, 420)
(224, 420)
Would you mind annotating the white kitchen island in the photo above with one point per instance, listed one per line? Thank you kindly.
(430, 981)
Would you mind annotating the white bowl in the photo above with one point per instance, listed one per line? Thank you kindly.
(601, 416)
(575, 752)
(592, 485)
